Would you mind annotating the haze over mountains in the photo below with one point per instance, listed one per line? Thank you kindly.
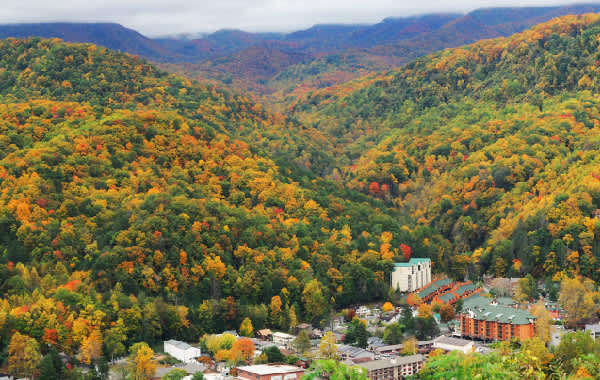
(316, 57)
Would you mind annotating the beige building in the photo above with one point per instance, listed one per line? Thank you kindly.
(410, 276)
(283, 340)
(393, 369)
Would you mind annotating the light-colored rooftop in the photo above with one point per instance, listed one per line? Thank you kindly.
(457, 342)
(387, 363)
(181, 345)
(283, 335)
(413, 261)
(265, 369)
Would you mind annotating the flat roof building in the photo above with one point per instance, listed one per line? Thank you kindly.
(181, 351)
(393, 369)
(270, 372)
(454, 344)
(412, 275)
(283, 339)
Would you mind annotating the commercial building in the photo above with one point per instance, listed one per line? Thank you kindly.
(393, 369)
(270, 372)
(454, 344)
(181, 351)
(412, 275)
(283, 340)
(354, 353)
(594, 330)
(487, 319)
(435, 288)
(460, 290)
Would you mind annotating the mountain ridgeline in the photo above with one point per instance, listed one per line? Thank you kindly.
(275, 64)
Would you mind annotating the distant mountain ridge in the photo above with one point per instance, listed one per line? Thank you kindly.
(320, 56)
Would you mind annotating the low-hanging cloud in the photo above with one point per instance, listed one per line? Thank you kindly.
(159, 17)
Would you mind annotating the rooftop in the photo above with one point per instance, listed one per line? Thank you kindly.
(433, 287)
(352, 351)
(500, 313)
(595, 328)
(178, 344)
(453, 341)
(264, 369)
(413, 261)
(283, 335)
(387, 363)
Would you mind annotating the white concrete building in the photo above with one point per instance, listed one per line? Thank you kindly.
(410, 276)
(454, 344)
(283, 340)
(181, 351)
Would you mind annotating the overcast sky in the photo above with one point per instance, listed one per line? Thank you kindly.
(161, 17)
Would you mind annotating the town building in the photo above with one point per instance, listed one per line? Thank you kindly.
(270, 372)
(460, 290)
(412, 275)
(454, 344)
(594, 330)
(181, 351)
(347, 352)
(189, 368)
(393, 369)
(486, 319)
(264, 334)
(435, 288)
(304, 327)
(283, 340)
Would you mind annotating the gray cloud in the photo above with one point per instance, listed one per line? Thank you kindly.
(160, 17)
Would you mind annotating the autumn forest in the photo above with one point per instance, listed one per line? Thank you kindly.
(138, 205)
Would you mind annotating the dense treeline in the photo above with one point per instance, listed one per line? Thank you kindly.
(136, 206)
(493, 144)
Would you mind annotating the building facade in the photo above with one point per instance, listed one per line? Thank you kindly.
(181, 351)
(270, 372)
(393, 369)
(489, 320)
(283, 339)
(454, 344)
(412, 275)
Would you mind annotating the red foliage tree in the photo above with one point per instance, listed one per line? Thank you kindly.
(374, 188)
(406, 251)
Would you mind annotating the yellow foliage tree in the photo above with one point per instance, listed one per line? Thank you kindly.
(328, 347)
(141, 365)
(387, 307)
(578, 297)
(91, 348)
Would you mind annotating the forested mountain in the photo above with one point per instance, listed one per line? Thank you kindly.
(285, 66)
(137, 206)
(494, 144)
(110, 35)
(356, 51)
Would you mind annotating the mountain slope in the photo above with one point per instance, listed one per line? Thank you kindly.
(137, 206)
(494, 144)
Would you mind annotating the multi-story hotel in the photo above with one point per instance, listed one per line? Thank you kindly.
(486, 319)
(412, 275)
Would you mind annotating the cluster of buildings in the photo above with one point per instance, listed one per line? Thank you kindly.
(481, 319)
(414, 277)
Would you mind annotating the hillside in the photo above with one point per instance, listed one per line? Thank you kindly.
(141, 207)
(494, 144)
